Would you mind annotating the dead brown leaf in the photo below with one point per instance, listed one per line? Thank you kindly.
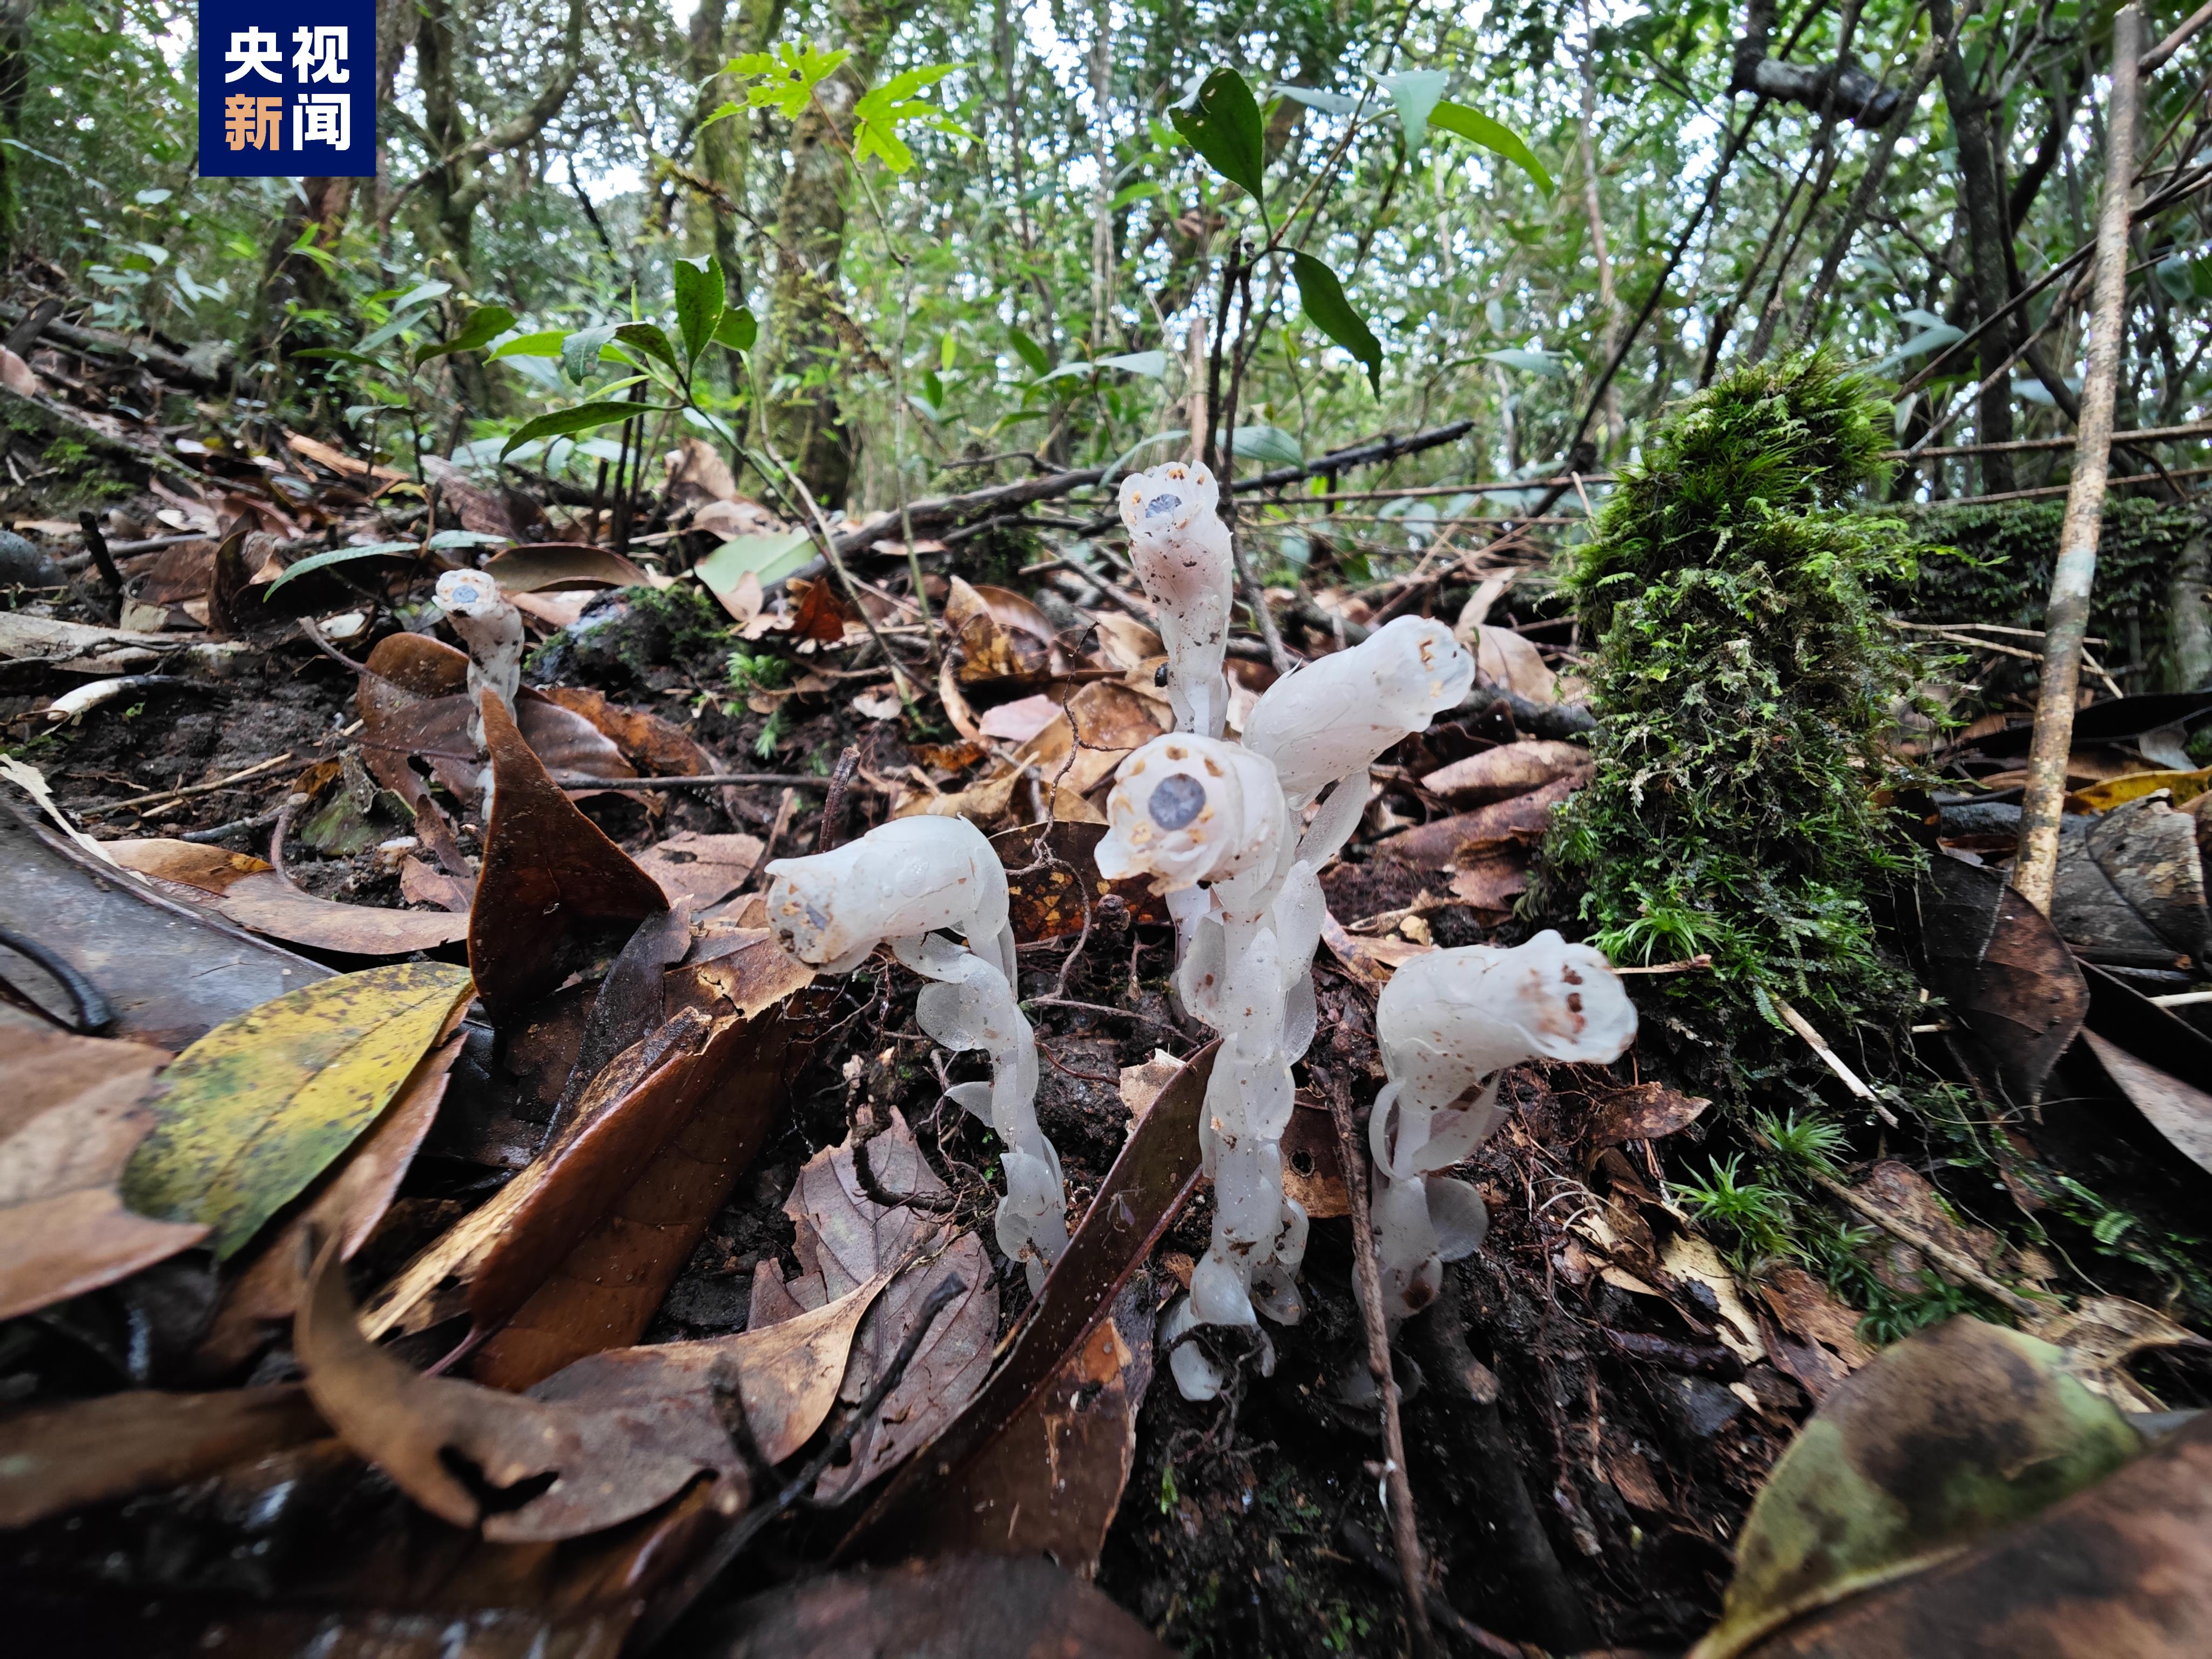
(533, 569)
(1313, 1162)
(269, 904)
(707, 869)
(1510, 769)
(187, 864)
(658, 748)
(1124, 642)
(420, 884)
(93, 1451)
(1051, 1482)
(547, 869)
(1046, 897)
(69, 1122)
(1002, 636)
(822, 614)
(353, 1199)
(1491, 878)
(1370, 960)
(1524, 818)
(1646, 1111)
(843, 1237)
(2101, 1333)
(2178, 1110)
(975, 1608)
(607, 1464)
(614, 1263)
(1818, 1336)
(1504, 660)
(1904, 1193)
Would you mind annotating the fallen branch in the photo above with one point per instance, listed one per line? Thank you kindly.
(698, 781)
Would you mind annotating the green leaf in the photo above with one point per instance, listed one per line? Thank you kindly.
(723, 112)
(700, 297)
(1222, 124)
(579, 352)
(1496, 137)
(446, 538)
(1028, 352)
(877, 115)
(792, 73)
(737, 330)
(582, 418)
(770, 558)
(1415, 92)
(485, 324)
(652, 339)
(324, 561)
(1130, 194)
(264, 1103)
(546, 343)
(1951, 1434)
(1152, 364)
(1267, 443)
(423, 294)
(1326, 309)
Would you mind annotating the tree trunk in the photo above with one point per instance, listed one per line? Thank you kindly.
(1608, 301)
(805, 420)
(298, 306)
(1981, 217)
(436, 46)
(15, 82)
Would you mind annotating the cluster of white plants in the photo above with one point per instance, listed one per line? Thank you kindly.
(1221, 830)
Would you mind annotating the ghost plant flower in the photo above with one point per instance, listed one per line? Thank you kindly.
(907, 883)
(1180, 548)
(491, 628)
(1206, 821)
(1449, 1024)
(1325, 723)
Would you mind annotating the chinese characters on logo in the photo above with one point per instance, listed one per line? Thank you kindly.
(317, 118)
(278, 94)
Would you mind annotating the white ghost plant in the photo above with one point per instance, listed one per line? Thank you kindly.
(491, 628)
(1449, 1024)
(1180, 548)
(908, 883)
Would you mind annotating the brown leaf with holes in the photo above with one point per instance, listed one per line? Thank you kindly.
(1313, 1162)
(604, 1250)
(548, 871)
(607, 1464)
(267, 1288)
(62, 1458)
(843, 1236)
(1644, 1111)
(72, 1116)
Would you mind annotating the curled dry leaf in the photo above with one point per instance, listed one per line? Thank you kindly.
(1510, 769)
(785, 1375)
(259, 1108)
(68, 1125)
(93, 1451)
(2102, 1334)
(547, 869)
(1504, 660)
(841, 1233)
(604, 1264)
(1371, 961)
(2009, 979)
(2180, 1111)
(267, 1289)
(1811, 1336)
(532, 569)
(170, 971)
(1957, 1431)
(606, 1464)
(267, 904)
(1646, 1111)
(2123, 1568)
(656, 747)
(978, 1607)
(185, 864)
(1139, 1198)
(1003, 636)
(1524, 818)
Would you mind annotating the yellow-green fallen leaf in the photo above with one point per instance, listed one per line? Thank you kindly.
(2117, 791)
(262, 1104)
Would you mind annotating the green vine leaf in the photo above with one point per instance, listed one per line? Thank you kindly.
(1326, 307)
(1495, 136)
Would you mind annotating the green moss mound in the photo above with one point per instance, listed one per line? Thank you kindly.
(1746, 684)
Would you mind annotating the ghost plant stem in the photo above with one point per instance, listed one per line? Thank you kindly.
(1405, 1529)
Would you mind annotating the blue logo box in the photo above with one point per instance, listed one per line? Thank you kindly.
(288, 91)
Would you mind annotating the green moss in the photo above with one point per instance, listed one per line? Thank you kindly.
(1746, 684)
